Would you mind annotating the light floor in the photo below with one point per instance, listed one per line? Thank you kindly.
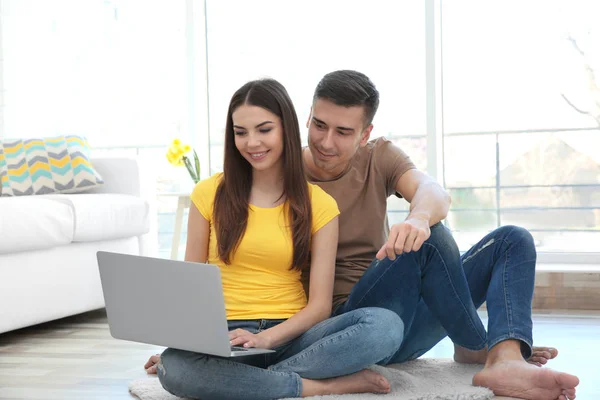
(76, 358)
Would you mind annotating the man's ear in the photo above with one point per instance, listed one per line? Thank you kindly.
(309, 118)
(366, 135)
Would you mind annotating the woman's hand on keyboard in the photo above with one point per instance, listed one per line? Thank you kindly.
(241, 337)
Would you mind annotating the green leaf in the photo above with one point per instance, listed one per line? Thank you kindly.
(190, 169)
(197, 162)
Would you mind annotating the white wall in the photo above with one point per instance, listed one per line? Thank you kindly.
(1, 78)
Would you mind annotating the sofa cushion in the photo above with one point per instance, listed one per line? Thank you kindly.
(3, 171)
(106, 216)
(34, 223)
(46, 165)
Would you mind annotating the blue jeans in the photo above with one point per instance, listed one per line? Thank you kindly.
(500, 269)
(338, 346)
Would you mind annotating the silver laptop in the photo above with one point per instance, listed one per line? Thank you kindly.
(167, 303)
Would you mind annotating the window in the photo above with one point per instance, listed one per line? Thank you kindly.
(519, 108)
(297, 43)
(515, 150)
(113, 71)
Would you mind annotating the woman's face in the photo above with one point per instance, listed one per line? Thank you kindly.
(258, 136)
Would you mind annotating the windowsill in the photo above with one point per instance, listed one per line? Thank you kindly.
(567, 268)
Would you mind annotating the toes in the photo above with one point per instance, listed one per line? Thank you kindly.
(535, 361)
(540, 360)
(549, 352)
(567, 381)
(542, 354)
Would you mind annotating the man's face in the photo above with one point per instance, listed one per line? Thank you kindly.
(334, 135)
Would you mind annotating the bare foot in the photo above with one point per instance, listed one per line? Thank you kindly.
(365, 381)
(517, 378)
(540, 355)
(151, 364)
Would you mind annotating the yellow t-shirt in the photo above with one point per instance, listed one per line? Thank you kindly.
(258, 282)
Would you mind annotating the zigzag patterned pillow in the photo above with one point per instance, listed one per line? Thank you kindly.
(58, 164)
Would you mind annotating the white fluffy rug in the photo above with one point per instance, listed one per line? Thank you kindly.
(424, 379)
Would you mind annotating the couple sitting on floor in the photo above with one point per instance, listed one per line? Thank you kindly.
(371, 295)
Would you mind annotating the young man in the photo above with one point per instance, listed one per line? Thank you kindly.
(372, 264)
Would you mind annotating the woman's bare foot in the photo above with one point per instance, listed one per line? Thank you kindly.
(365, 381)
(506, 373)
(540, 355)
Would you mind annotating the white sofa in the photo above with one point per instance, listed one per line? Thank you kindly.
(48, 244)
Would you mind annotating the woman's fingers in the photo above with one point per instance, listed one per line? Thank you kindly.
(237, 333)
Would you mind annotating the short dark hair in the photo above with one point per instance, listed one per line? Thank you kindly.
(349, 88)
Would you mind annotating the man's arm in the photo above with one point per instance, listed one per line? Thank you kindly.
(427, 198)
(429, 204)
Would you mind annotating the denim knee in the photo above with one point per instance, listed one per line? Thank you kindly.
(441, 238)
(516, 233)
(166, 369)
(171, 370)
(520, 239)
(386, 330)
(439, 233)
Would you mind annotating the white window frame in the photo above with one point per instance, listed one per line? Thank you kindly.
(198, 121)
(434, 123)
(198, 116)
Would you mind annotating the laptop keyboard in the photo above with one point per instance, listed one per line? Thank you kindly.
(238, 348)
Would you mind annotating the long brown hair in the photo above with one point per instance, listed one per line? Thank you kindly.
(231, 200)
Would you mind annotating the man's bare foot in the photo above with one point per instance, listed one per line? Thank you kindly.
(365, 381)
(539, 356)
(506, 373)
(517, 378)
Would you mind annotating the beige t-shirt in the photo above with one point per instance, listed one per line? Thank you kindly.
(361, 194)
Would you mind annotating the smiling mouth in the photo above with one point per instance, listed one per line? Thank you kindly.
(258, 156)
(325, 155)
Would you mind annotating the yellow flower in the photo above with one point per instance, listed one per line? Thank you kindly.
(176, 153)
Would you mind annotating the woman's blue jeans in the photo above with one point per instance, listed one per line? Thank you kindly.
(338, 346)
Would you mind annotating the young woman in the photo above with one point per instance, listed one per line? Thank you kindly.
(262, 224)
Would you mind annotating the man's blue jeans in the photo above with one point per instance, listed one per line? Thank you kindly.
(436, 291)
(338, 346)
